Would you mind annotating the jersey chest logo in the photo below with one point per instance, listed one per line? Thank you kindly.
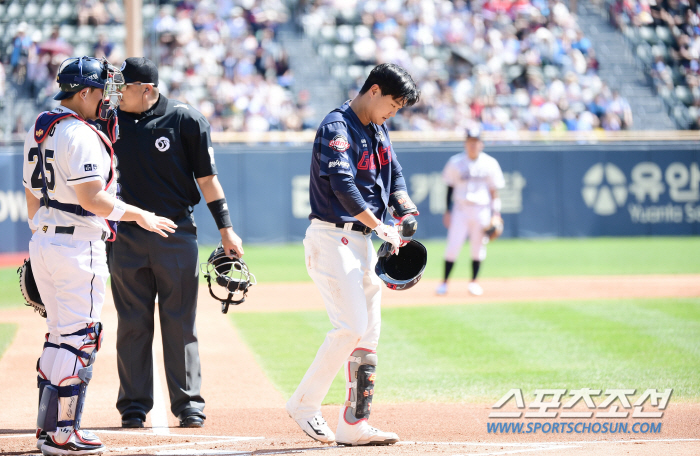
(162, 144)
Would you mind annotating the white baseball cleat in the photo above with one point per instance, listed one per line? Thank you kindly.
(475, 289)
(441, 289)
(80, 442)
(316, 428)
(361, 434)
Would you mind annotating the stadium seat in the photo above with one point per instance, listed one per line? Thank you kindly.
(665, 35)
(684, 95)
(648, 34)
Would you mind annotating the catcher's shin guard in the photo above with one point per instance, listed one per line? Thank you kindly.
(72, 390)
(360, 375)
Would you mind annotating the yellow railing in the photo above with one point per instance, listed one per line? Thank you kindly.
(488, 136)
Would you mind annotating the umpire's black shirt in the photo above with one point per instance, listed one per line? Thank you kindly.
(159, 154)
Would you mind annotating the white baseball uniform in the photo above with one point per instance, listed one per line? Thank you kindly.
(70, 269)
(473, 181)
(341, 264)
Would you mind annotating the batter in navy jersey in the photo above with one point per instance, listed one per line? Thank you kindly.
(353, 172)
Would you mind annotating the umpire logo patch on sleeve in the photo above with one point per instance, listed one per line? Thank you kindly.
(90, 167)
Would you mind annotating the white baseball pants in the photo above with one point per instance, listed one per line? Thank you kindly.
(468, 221)
(341, 264)
(71, 274)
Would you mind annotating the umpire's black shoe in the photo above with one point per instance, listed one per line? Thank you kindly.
(133, 420)
(192, 418)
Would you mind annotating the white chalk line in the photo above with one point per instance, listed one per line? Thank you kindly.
(539, 444)
(209, 442)
(159, 414)
(200, 436)
(526, 450)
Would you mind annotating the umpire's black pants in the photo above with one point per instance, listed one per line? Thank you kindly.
(142, 265)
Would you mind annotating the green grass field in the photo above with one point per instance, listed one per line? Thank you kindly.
(515, 258)
(506, 258)
(479, 352)
(7, 334)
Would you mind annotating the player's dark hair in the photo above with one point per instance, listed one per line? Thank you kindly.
(394, 81)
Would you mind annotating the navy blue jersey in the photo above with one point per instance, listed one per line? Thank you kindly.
(344, 146)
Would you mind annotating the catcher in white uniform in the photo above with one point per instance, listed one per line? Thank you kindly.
(473, 179)
(70, 186)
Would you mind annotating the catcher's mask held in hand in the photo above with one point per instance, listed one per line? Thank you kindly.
(230, 273)
(402, 271)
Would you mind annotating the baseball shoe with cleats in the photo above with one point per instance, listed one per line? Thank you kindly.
(316, 428)
(441, 289)
(475, 289)
(362, 434)
(80, 442)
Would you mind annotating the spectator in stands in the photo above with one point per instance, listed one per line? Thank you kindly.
(20, 50)
(103, 47)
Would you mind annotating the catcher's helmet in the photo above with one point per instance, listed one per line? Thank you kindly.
(230, 273)
(77, 73)
(402, 271)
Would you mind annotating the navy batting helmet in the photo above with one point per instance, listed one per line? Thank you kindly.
(402, 271)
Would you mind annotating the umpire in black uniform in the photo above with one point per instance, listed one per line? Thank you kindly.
(163, 153)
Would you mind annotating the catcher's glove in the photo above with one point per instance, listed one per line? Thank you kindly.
(495, 229)
(27, 285)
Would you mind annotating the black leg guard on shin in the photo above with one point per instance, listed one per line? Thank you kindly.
(360, 375)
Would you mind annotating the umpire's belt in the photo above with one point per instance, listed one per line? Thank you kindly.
(80, 233)
(364, 229)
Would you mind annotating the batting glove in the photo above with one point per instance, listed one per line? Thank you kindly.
(391, 235)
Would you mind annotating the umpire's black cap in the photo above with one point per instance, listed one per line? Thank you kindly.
(140, 69)
(474, 132)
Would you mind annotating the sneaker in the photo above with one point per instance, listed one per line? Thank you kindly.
(41, 439)
(475, 289)
(316, 428)
(367, 435)
(441, 289)
(80, 442)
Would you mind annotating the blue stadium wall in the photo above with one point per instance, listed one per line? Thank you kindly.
(608, 189)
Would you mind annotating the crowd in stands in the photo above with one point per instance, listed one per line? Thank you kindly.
(511, 64)
(667, 36)
(229, 66)
(508, 64)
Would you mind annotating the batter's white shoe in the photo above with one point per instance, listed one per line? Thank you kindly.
(80, 442)
(441, 289)
(475, 289)
(316, 428)
(361, 434)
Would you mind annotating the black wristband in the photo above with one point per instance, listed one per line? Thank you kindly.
(219, 210)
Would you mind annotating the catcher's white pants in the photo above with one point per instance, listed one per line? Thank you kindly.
(341, 264)
(70, 275)
(468, 221)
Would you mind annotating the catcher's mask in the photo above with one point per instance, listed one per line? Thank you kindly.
(402, 271)
(230, 273)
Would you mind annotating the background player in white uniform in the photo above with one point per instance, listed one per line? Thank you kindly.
(473, 179)
(354, 176)
(70, 189)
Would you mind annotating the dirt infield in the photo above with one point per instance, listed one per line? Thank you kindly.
(245, 413)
